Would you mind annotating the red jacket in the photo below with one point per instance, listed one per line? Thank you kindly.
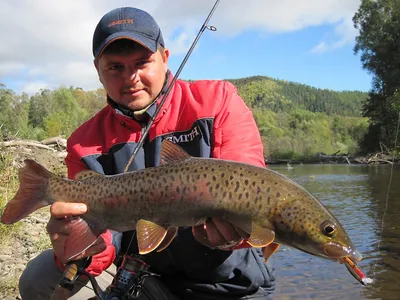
(206, 118)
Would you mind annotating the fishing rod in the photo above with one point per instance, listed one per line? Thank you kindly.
(131, 274)
(178, 72)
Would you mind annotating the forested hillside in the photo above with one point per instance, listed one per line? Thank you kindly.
(298, 121)
(295, 120)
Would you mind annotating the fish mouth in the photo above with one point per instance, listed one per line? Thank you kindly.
(339, 252)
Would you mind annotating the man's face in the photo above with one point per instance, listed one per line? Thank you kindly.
(133, 78)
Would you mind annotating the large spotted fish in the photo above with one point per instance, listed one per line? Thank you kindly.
(185, 191)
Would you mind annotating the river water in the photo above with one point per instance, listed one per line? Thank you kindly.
(359, 197)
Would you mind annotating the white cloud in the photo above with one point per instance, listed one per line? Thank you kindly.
(48, 42)
(343, 34)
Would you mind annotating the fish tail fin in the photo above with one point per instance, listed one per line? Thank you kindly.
(31, 195)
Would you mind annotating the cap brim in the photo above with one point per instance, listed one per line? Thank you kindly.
(134, 36)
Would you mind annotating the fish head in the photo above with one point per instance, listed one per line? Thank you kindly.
(307, 225)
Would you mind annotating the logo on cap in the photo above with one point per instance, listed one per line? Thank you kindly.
(119, 22)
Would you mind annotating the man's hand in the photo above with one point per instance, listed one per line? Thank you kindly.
(219, 234)
(59, 227)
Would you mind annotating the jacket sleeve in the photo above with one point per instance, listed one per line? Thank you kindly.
(102, 260)
(236, 136)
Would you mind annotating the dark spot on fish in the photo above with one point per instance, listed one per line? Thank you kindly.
(198, 177)
(269, 200)
(254, 183)
(184, 189)
(247, 204)
(195, 188)
(141, 190)
(268, 189)
(208, 183)
(240, 196)
(276, 183)
(246, 182)
(187, 177)
(235, 172)
(195, 170)
(222, 175)
(237, 186)
(288, 195)
(262, 181)
(258, 190)
(206, 168)
(247, 195)
(210, 189)
(212, 170)
(178, 189)
(205, 175)
(226, 183)
(278, 195)
(214, 178)
(241, 174)
(164, 180)
(172, 177)
(217, 186)
(224, 194)
(260, 206)
(231, 177)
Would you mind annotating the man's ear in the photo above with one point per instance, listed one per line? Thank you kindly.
(165, 56)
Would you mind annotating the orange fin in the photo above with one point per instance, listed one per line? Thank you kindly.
(82, 236)
(269, 250)
(86, 174)
(171, 233)
(31, 195)
(149, 235)
(261, 237)
(171, 152)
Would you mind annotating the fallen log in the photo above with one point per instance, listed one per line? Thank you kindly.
(25, 143)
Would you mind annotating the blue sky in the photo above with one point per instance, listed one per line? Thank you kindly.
(305, 41)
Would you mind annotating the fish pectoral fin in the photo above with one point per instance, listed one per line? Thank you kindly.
(86, 174)
(261, 237)
(171, 233)
(149, 235)
(171, 152)
(82, 236)
(269, 250)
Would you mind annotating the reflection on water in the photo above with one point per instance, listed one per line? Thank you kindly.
(357, 195)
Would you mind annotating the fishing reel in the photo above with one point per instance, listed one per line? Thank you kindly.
(127, 282)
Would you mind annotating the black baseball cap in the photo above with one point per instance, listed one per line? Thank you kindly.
(127, 23)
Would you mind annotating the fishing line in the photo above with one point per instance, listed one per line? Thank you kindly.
(387, 197)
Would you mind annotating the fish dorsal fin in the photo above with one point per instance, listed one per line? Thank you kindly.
(261, 237)
(86, 174)
(149, 235)
(172, 152)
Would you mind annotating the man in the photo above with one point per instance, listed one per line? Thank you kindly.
(207, 119)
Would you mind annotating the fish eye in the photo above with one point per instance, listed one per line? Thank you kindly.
(328, 228)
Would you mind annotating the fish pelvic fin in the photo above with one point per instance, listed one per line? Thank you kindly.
(171, 233)
(31, 195)
(269, 250)
(171, 152)
(83, 234)
(151, 235)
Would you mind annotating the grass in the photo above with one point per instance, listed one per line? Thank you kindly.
(8, 187)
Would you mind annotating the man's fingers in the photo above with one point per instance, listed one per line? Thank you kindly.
(63, 209)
